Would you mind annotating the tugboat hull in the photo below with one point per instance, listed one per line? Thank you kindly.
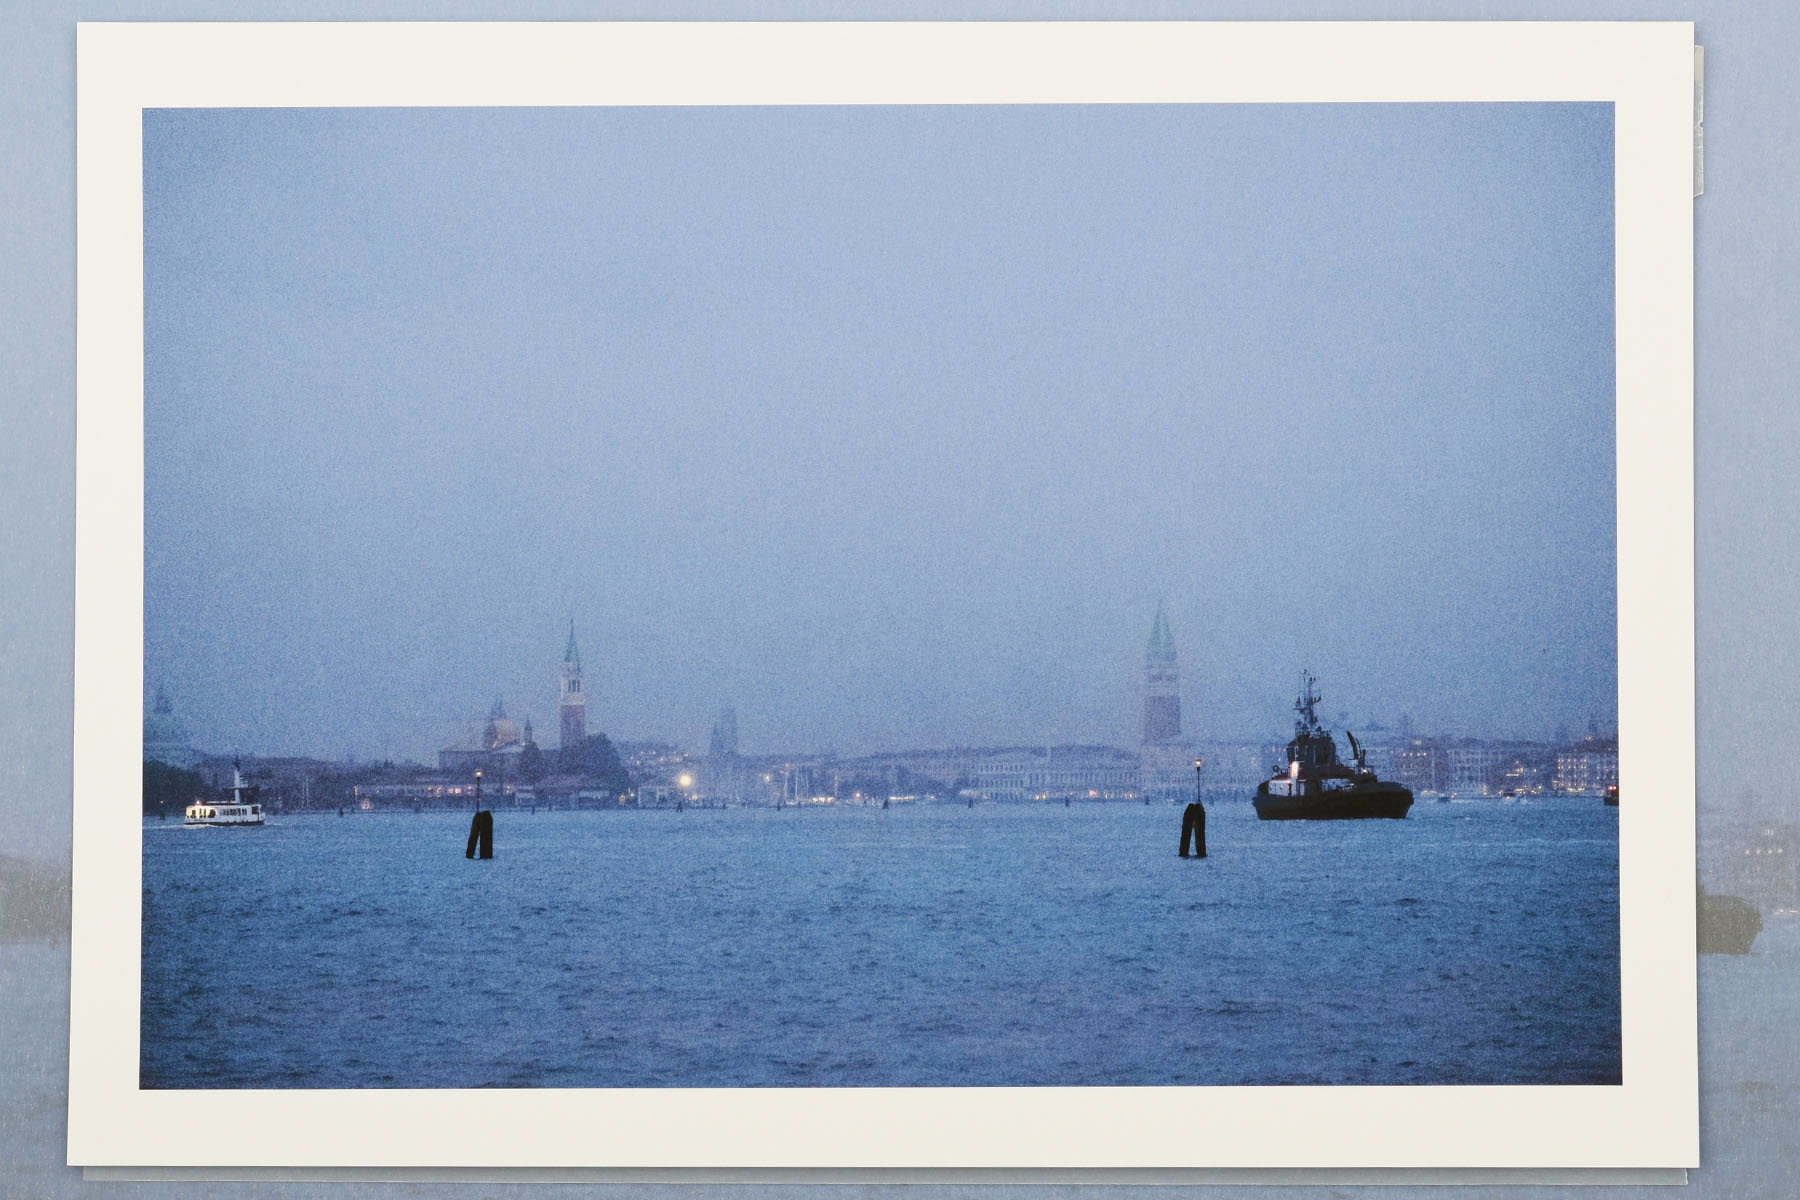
(1389, 801)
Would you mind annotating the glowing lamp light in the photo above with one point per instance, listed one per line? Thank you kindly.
(686, 781)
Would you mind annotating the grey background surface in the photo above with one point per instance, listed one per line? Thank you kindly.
(1747, 518)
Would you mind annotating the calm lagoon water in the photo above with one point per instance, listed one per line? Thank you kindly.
(913, 946)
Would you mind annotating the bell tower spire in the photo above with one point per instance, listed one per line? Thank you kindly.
(574, 699)
(1162, 685)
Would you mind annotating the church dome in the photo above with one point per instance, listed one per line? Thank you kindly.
(161, 726)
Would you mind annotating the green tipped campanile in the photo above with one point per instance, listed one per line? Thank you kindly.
(1162, 685)
(574, 699)
(1160, 637)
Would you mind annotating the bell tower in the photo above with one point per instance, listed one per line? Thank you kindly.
(574, 700)
(1162, 685)
(1165, 759)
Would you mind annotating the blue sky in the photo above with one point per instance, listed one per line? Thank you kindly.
(890, 426)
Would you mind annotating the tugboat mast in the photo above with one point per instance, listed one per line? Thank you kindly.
(1305, 720)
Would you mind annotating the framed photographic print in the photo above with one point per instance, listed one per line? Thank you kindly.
(1084, 595)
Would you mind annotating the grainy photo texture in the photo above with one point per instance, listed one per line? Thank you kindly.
(923, 596)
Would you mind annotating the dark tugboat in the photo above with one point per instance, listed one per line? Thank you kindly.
(1316, 786)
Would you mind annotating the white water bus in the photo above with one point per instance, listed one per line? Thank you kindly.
(244, 807)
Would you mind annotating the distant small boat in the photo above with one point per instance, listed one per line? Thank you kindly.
(1612, 796)
(244, 808)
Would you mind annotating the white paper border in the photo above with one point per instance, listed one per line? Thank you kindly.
(1645, 70)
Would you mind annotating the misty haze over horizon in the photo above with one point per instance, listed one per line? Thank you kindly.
(889, 426)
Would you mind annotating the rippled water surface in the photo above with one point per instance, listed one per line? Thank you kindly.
(920, 945)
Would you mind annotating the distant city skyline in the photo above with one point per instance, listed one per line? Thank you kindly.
(889, 426)
(1150, 699)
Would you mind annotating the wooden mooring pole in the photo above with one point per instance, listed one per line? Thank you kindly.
(1193, 819)
(481, 829)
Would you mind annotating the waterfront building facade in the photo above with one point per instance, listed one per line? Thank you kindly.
(1058, 773)
(433, 791)
(1419, 765)
(1235, 767)
(1468, 763)
(1463, 768)
(1587, 767)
